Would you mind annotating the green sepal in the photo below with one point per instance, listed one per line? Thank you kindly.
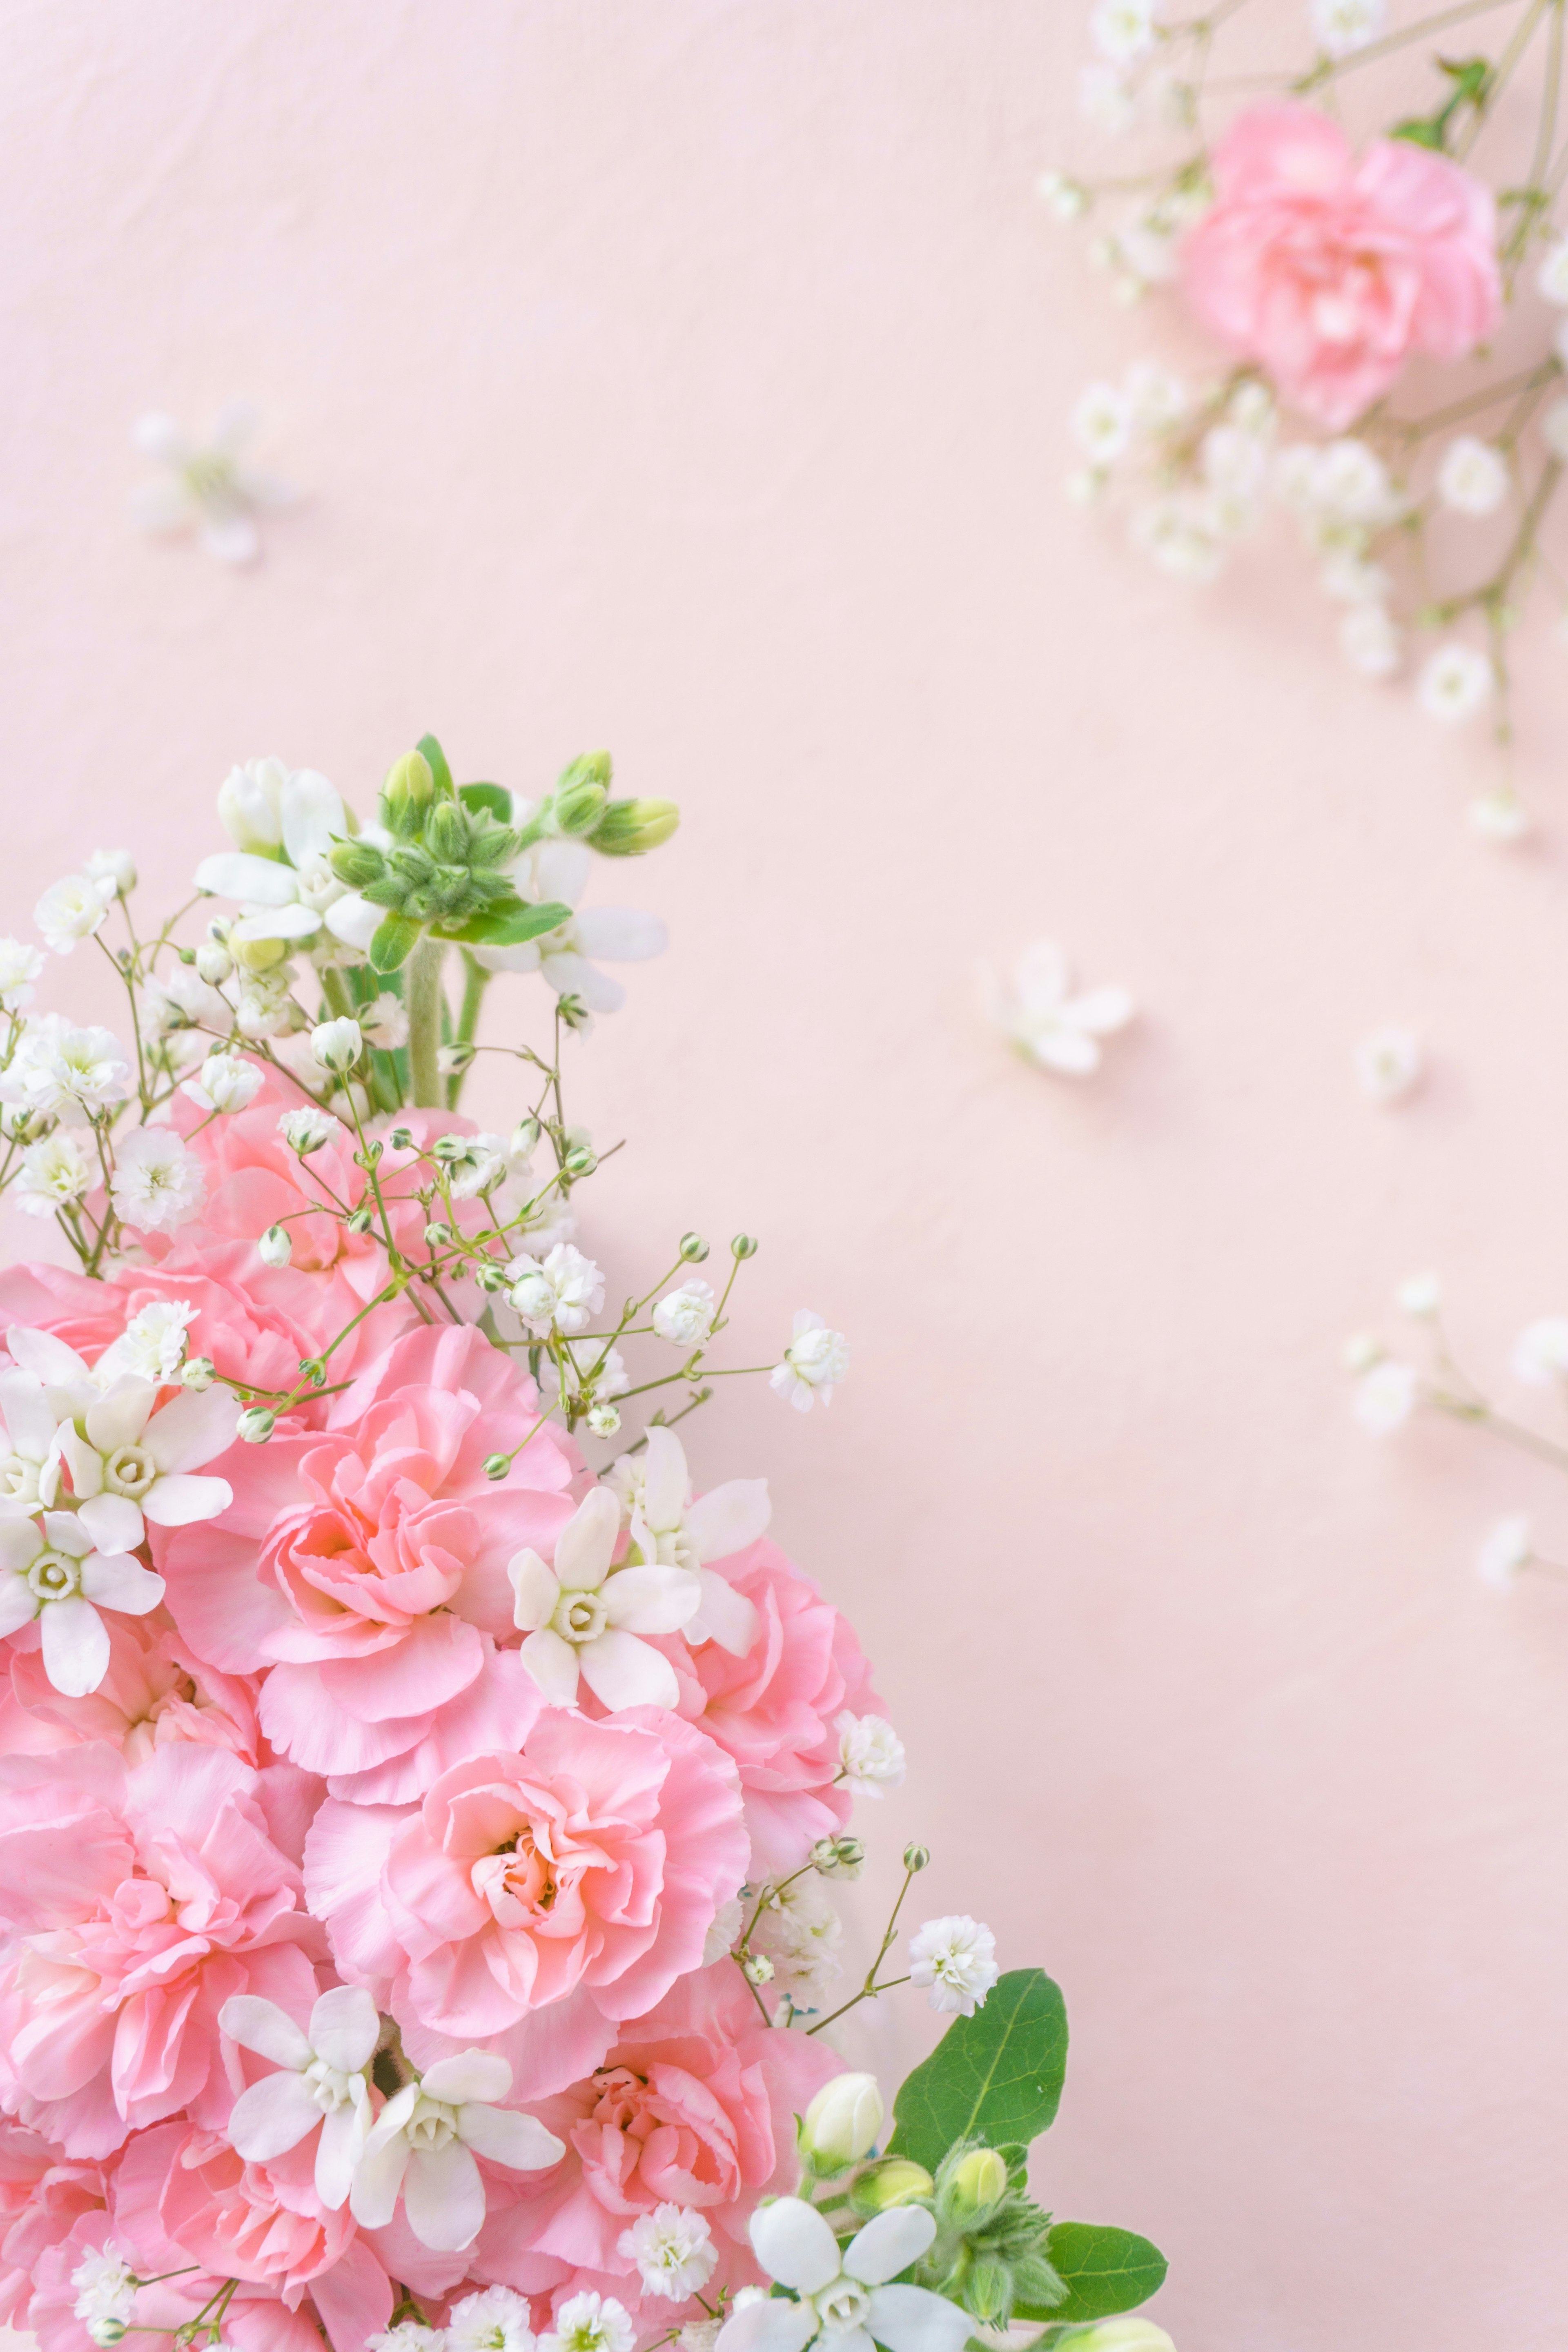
(395, 939)
(512, 926)
(996, 2076)
(1104, 2270)
(494, 797)
(436, 758)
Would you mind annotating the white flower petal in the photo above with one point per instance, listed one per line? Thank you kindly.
(76, 1646)
(794, 2244)
(312, 815)
(620, 934)
(120, 1583)
(621, 1671)
(345, 2028)
(337, 2151)
(271, 2116)
(651, 1600)
(505, 2136)
(260, 2025)
(113, 1521)
(471, 2075)
(889, 2244)
(378, 2180)
(553, 1662)
(725, 1616)
(771, 2325)
(728, 1519)
(178, 1501)
(291, 922)
(353, 919)
(912, 2319)
(444, 2196)
(536, 1591)
(586, 1543)
(192, 1428)
(235, 873)
(120, 1417)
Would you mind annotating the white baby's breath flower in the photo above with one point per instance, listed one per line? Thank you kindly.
(205, 487)
(150, 1348)
(157, 1184)
(72, 910)
(1505, 1552)
(1035, 1007)
(1420, 1294)
(562, 1292)
(1346, 574)
(226, 1082)
(685, 1316)
(1182, 535)
(1104, 98)
(336, 1045)
(1455, 683)
(1102, 422)
(1541, 1351)
(1343, 26)
(590, 2323)
(58, 1072)
(20, 966)
(1552, 277)
(1066, 198)
(498, 2319)
(955, 1959)
(385, 1023)
(1347, 481)
(674, 2252)
(1500, 816)
(799, 1932)
(1389, 1064)
(56, 1172)
(870, 1754)
(116, 866)
(1386, 1397)
(1370, 641)
(815, 1361)
(1473, 478)
(408, 2336)
(1361, 1351)
(1123, 30)
(105, 2286)
(1156, 397)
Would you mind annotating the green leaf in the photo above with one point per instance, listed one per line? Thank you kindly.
(1104, 2270)
(509, 926)
(494, 797)
(395, 939)
(996, 2076)
(438, 768)
(1426, 133)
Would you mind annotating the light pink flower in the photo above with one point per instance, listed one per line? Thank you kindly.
(42, 2194)
(262, 2222)
(536, 1899)
(773, 1709)
(1330, 272)
(138, 1903)
(156, 1691)
(367, 1567)
(694, 2106)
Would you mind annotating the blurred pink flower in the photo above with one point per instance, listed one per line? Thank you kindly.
(1330, 272)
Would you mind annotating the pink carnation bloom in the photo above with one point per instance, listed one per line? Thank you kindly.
(138, 1903)
(156, 1690)
(694, 2106)
(366, 1565)
(42, 2195)
(773, 1709)
(1331, 272)
(534, 1901)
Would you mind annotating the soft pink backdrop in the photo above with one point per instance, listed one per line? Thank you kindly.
(689, 376)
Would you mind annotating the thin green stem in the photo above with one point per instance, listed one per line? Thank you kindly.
(424, 1002)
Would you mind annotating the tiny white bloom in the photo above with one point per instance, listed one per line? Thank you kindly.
(336, 1045)
(408, 2336)
(385, 1023)
(205, 487)
(1420, 1294)
(1386, 1397)
(72, 910)
(1036, 1007)
(1347, 576)
(1541, 1351)
(870, 1754)
(1104, 98)
(1500, 816)
(685, 1316)
(1349, 482)
(498, 2319)
(226, 1082)
(674, 2252)
(1103, 423)
(1123, 30)
(955, 1959)
(1506, 1550)
(1361, 1351)
(105, 2284)
(1369, 640)
(307, 1129)
(1182, 535)
(1552, 277)
(1156, 397)
(590, 2323)
(1473, 477)
(841, 2294)
(322, 2080)
(1235, 461)
(1455, 683)
(157, 1184)
(593, 1371)
(583, 1615)
(116, 866)
(798, 1933)
(1389, 1064)
(150, 1348)
(815, 1361)
(1066, 198)
(56, 1172)
(1343, 26)
(275, 1246)
(20, 966)
(562, 1292)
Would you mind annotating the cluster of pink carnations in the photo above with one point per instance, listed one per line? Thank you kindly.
(412, 1841)
(1331, 258)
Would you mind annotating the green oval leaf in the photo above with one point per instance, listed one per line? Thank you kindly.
(510, 925)
(494, 797)
(1104, 2270)
(395, 939)
(996, 2076)
(437, 759)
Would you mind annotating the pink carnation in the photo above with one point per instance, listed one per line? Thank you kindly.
(155, 1691)
(366, 1565)
(773, 1709)
(1331, 272)
(695, 2106)
(42, 2195)
(138, 1903)
(534, 1901)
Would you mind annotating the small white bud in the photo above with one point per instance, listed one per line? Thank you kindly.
(199, 1373)
(256, 1425)
(843, 2121)
(337, 1045)
(275, 1247)
(214, 962)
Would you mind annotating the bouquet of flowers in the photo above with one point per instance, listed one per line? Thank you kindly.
(416, 1846)
(1340, 229)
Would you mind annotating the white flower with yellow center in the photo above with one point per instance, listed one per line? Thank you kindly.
(322, 2079)
(668, 1529)
(286, 898)
(424, 2143)
(50, 1572)
(586, 1617)
(843, 2293)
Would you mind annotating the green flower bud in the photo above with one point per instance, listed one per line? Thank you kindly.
(369, 1157)
(693, 1248)
(580, 1161)
(744, 1245)
(256, 1425)
(447, 833)
(107, 2331)
(314, 1370)
(359, 1222)
(631, 828)
(842, 2122)
(258, 955)
(895, 2182)
(577, 808)
(916, 1857)
(275, 1246)
(492, 1278)
(979, 2182)
(450, 1147)
(438, 1234)
(838, 1857)
(409, 789)
(988, 2289)
(357, 863)
(496, 1464)
(401, 1140)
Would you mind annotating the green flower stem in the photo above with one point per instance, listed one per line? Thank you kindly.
(476, 980)
(334, 991)
(425, 999)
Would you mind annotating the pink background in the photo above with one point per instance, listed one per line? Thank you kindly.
(690, 376)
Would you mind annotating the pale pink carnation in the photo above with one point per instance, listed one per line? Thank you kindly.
(42, 2195)
(138, 1903)
(535, 1900)
(694, 2106)
(1330, 272)
(155, 1691)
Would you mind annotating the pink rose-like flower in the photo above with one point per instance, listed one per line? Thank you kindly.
(1330, 272)
(366, 1567)
(262, 2222)
(138, 1903)
(536, 1900)
(773, 1709)
(693, 2106)
(41, 2197)
(155, 1691)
